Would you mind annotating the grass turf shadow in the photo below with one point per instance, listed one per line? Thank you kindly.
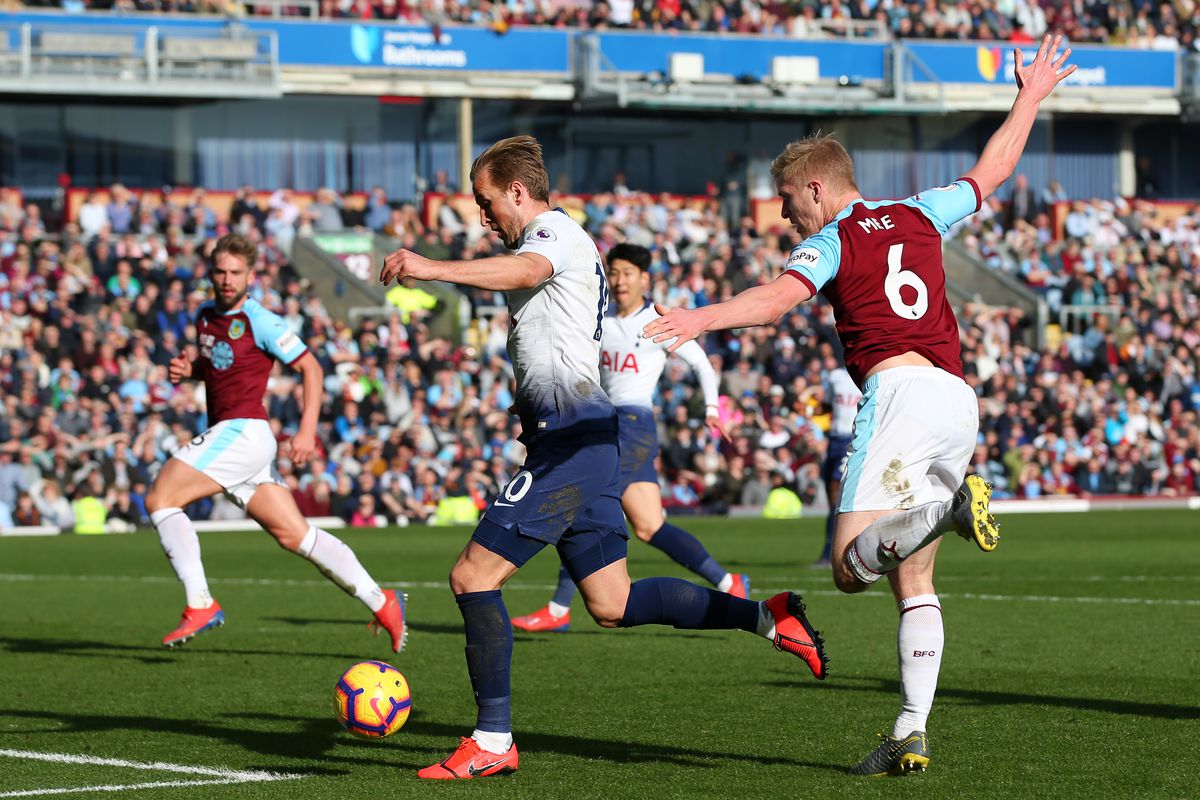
(984, 697)
(616, 750)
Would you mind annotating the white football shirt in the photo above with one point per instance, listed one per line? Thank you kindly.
(844, 395)
(631, 365)
(554, 333)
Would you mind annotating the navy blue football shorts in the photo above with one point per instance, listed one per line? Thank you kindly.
(567, 495)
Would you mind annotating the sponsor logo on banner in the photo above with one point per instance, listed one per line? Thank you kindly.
(988, 61)
(405, 48)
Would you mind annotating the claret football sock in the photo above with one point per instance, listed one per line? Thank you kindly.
(887, 541)
(687, 551)
(919, 641)
(564, 593)
(489, 659)
(680, 604)
(179, 541)
(337, 561)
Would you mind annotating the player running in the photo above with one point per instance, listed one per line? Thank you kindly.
(567, 494)
(844, 397)
(880, 266)
(630, 368)
(239, 341)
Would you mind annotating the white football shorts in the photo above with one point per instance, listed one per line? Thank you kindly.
(914, 435)
(239, 454)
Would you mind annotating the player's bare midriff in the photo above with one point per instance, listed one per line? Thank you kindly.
(907, 359)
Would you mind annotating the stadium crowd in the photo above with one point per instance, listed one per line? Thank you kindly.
(91, 314)
(1131, 23)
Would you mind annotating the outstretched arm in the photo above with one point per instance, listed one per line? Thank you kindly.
(498, 273)
(759, 305)
(1034, 84)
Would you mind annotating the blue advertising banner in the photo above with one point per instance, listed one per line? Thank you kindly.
(741, 55)
(338, 43)
(980, 63)
(405, 47)
(343, 43)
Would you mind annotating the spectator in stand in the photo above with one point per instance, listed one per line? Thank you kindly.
(379, 210)
(326, 211)
(93, 216)
(121, 209)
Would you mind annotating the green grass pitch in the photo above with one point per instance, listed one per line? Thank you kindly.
(1070, 670)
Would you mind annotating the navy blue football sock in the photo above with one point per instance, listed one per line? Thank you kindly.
(687, 551)
(830, 522)
(489, 657)
(680, 604)
(564, 593)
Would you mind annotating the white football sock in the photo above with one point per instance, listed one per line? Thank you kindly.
(919, 641)
(725, 583)
(766, 621)
(887, 541)
(498, 743)
(179, 541)
(337, 561)
(557, 610)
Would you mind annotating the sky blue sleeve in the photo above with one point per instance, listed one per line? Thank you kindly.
(946, 205)
(273, 336)
(815, 261)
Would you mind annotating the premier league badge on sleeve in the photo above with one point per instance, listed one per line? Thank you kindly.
(236, 329)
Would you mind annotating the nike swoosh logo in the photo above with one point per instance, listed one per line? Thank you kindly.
(477, 771)
(500, 503)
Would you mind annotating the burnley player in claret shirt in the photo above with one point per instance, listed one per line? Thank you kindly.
(239, 342)
(879, 264)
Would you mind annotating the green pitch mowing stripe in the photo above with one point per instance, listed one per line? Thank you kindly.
(1069, 669)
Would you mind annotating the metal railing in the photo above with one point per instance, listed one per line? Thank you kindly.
(1078, 318)
(57, 57)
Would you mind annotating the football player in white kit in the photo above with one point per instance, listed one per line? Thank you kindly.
(630, 367)
(567, 493)
(843, 394)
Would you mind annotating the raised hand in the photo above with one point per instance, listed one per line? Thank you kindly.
(1046, 71)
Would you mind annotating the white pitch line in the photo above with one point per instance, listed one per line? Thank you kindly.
(157, 766)
(794, 583)
(122, 787)
(219, 777)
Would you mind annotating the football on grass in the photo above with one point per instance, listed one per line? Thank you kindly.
(372, 700)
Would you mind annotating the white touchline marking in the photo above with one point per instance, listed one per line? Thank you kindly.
(777, 581)
(219, 776)
(120, 787)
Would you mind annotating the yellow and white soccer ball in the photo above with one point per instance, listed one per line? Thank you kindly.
(372, 700)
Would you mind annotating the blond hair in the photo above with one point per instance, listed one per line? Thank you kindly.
(818, 155)
(517, 158)
(236, 245)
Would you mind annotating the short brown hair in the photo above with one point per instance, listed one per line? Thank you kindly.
(816, 156)
(236, 245)
(517, 158)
